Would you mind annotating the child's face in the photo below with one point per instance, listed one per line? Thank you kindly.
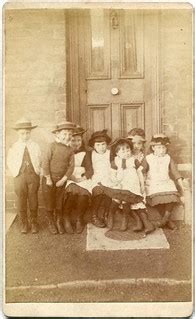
(159, 150)
(124, 151)
(76, 142)
(24, 134)
(64, 136)
(100, 147)
(137, 146)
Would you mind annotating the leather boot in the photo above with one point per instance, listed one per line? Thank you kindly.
(171, 225)
(33, 220)
(96, 221)
(24, 222)
(149, 227)
(111, 212)
(59, 223)
(51, 224)
(124, 224)
(24, 227)
(139, 224)
(68, 226)
(82, 205)
(79, 226)
(34, 226)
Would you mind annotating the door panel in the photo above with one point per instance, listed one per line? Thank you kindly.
(131, 44)
(99, 116)
(114, 49)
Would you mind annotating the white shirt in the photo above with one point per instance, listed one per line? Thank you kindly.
(16, 153)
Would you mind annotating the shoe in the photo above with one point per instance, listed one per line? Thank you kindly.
(171, 225)
(139, 224)
(24, 228)
(110, 221)
(52, 228)
(60, 226)
(149, 227)
(124, 224)
(68, 226)
(79, 226)
(97, 222)
(34, 228)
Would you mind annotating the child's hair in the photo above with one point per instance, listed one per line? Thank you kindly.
(160, 138)
(137, 131)
(119, 146)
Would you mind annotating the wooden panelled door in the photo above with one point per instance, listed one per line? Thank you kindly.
(112, 70)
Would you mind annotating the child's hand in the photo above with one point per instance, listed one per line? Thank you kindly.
(78, 180)
(49, 181)
(61, 181)
(182, 200)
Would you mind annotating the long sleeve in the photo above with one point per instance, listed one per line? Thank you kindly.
(173, 171)
(70, 166)
(87, 164)
(46, 161)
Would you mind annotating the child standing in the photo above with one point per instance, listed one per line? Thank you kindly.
(128, 185)
(24, 160)
(58, 166)
(76, 196)
(160, 188)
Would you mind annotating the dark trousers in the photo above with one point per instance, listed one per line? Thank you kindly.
(53, 196)
(26, 187)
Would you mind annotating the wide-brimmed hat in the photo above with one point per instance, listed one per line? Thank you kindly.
(64, 126)
(99, 136)
(118, 141)
(136, 138)
(78, 130)
(24, 123)
(159, 139)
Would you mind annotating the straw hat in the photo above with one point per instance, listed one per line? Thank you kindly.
(64, 126)
(24, 123)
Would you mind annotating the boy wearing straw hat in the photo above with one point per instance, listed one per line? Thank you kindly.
(58, 166)
(24, 161)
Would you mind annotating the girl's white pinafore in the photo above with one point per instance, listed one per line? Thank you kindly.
(158, 180)
(128, 177)
(101, 168)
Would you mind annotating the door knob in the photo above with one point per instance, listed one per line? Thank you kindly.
(115, 91)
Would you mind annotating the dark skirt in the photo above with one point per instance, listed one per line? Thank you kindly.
(163, 198)
(75, 189)
(122, 195)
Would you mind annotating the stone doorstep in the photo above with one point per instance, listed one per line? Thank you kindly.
(9, 219)
(97, 240)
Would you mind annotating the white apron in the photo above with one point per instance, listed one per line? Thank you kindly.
(158, 180)
(101, 168)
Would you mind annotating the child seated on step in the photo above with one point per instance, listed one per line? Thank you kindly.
(76, 195)
(24, 162)
(127, 185)
(161, 191)
(97, 167)
(137, 136)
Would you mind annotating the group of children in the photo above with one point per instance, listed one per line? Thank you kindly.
(102, 177)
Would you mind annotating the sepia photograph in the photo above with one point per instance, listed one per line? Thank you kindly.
(97, 158)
